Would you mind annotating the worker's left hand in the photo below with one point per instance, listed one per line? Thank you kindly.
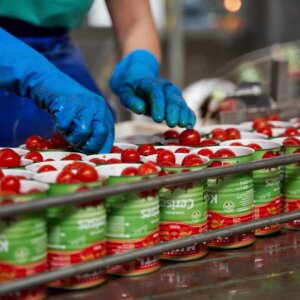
(136, 81)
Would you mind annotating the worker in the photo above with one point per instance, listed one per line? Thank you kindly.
(39, 62)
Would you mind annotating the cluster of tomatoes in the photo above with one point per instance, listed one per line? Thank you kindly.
(147, 168)
(36, 142)
(291, 131)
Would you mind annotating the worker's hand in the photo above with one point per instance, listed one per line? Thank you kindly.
(81, 116)
(136, 81)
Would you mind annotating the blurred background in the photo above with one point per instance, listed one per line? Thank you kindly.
(243, 51)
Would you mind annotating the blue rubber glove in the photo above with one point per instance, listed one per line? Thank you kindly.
(136, 81)
(81, 116)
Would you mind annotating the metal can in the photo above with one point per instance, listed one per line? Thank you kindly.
(267, 184)
(231, 200)
(132, 222)
(75, 234)
(23, 243)
(183, 211)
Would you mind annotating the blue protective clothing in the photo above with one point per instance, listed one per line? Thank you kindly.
(136, 81)
(78, 113)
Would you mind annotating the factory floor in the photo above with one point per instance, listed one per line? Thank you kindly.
(270, 269)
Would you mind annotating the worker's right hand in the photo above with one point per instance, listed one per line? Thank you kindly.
(82, 116)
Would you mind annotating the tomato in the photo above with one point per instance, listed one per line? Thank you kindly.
(159, 150)
(98, 161)
(291, 131)
(190, 137)
(173, 144)
(116, 149)
(49, 159)
(171, 134)
(10, 184)
(237, 144)
(66, 176)
(113, 161)
(273, 118)
(9, 158)
(146, 150)
(296, 151)
(258, 123)
(46, 168)
(208, 142)
(58, 141)
(87, 173)
(165, 155)
(147, 169)
(182, 150)
(72, 156)
(33, 142)
(268, 154)
(215, 164)
(206, 152)
(130, 171)
(74, 166)
(291, 141)
(1, 174)
(32, 191)
(35, 156)
(233, 133)
(166, 163)
(265, 130)
(254, 146)
(223, 153)
(130, 156)
(192, 160)
(219, 134)
(45, 145)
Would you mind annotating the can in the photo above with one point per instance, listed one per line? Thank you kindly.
(231, 200)
(75, 234)
(183, 211)
(23, 243)
(291, 185)
(267, 185)
(132, 222)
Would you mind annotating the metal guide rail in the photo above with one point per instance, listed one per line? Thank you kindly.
(90, 195)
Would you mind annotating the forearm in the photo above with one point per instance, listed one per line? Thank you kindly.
(134, 26)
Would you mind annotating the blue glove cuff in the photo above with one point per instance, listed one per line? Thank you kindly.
(138, 64)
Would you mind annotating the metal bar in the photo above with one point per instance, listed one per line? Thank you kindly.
(103, 192)
(102, 263)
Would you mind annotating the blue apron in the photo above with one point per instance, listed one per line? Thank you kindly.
(20, 117)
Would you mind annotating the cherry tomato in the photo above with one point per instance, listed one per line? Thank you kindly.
(58, 141)
(46, 168)
(291, 141)
(74, 166)
(265, 130)
(116, 149)
(296, 151)
(165, 155)
(98, 161)
(233, 133)
(66, 176)
(72, 156)
(182, 150)
(215, 164)
(146, 150)
(258, 123)
(171, 134)
(291, 131)
(166, 163)
(45, 145)
(208, 142)
(33, 142)
(49, 159)
(254, 146)
(87, 173)
(10, 184)
(130, 156)
(35, 156)
(130, 171)
(190, 137)
(223, 153)
(1, 173)
(219, 134)
(32, 191)
(206, 152)
(147, 169)
(173, 144)
(191, 160)
(9, 158)
(113, 161)
(268, 154)
(237, 144)
(159, 150)
(273, 118)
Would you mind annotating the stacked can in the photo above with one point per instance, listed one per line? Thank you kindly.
(266, 182)
(23, 243)
(231, 199)
(75, 233)
(183, 211)
(132, 222)
(291, 180)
